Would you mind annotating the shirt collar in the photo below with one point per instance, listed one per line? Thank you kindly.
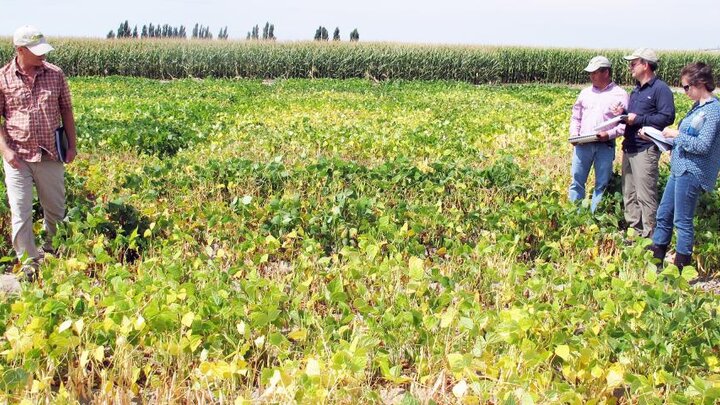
(606, 88)
(16, 68)
(650, 82)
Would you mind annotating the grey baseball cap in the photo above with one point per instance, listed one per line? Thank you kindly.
(597, 63)
(643, 53)
(31, 38)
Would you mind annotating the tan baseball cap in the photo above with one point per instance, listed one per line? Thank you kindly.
(597, 63)
(31, 38)
(643, 53)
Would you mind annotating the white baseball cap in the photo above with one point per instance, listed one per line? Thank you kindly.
(597, 63)
(643, 53)
(31, 38)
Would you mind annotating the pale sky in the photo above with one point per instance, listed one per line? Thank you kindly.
(660, 24)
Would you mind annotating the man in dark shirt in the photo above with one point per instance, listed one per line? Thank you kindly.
(651, 104)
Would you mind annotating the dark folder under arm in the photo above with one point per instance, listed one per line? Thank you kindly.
(61, 144)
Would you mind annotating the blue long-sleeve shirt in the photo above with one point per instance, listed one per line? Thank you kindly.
(697, 146)
(654, 105)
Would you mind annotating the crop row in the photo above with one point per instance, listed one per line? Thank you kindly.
(167, 59)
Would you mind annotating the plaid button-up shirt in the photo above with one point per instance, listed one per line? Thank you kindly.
(32, 109)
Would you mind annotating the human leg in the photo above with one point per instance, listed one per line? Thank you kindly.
(646, 165)
(632, 209)
(50, 183)
(604, 157)
(19, 184)
(580, 169)
(687, 193)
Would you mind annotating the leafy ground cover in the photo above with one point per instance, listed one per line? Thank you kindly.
(345, 241)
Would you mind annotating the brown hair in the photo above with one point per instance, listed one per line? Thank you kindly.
(698, 73)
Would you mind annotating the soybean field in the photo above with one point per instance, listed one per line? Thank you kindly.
(348, 241)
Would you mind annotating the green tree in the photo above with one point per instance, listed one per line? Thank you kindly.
(336, 34)
(354, 35)
(324, 34)
(111, 35)
(271, 34)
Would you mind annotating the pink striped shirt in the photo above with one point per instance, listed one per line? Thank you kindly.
(593, 106)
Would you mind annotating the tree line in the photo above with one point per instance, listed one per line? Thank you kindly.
(164, 31)
(321, 34)
(203, 32)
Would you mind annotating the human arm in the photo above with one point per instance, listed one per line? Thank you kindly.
(576, 117)
(664, 114)
(68, 120)
(621, 106)
(8, 154)
(701, 144)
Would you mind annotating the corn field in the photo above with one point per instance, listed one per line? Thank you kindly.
(168, 59)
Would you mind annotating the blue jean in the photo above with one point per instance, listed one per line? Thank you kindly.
(677, 208)
(599, 154)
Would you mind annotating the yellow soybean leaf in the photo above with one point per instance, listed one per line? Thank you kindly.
(65, 326)
(313, 368)
(615, 376)
(139, 323)
(416, 268)
(460, 389)
(448, 317)
(563, 351)
(188, 319)
(298, 335)
(78, 326)
(99, 353)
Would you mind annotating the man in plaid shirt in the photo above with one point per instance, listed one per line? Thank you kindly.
(34, 101)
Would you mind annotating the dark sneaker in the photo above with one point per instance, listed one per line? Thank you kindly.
(29, 272)
(46, 251)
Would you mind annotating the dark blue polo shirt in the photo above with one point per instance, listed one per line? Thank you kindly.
(654, 105)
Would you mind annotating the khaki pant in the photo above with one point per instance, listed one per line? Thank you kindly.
(640, 194)
(49, 179)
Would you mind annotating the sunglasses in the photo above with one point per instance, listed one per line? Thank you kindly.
(686, 87)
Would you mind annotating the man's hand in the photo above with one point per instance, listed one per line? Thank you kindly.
(11, 157)
(670, 133)
(631, 119)
(641, 135)
(603, 136)
(617, 109)
(70, 155)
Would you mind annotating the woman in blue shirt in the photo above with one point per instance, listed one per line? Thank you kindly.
(694, 164)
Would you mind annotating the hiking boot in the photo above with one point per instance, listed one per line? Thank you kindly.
(659, 252)
(682, 260)
(29, 272)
